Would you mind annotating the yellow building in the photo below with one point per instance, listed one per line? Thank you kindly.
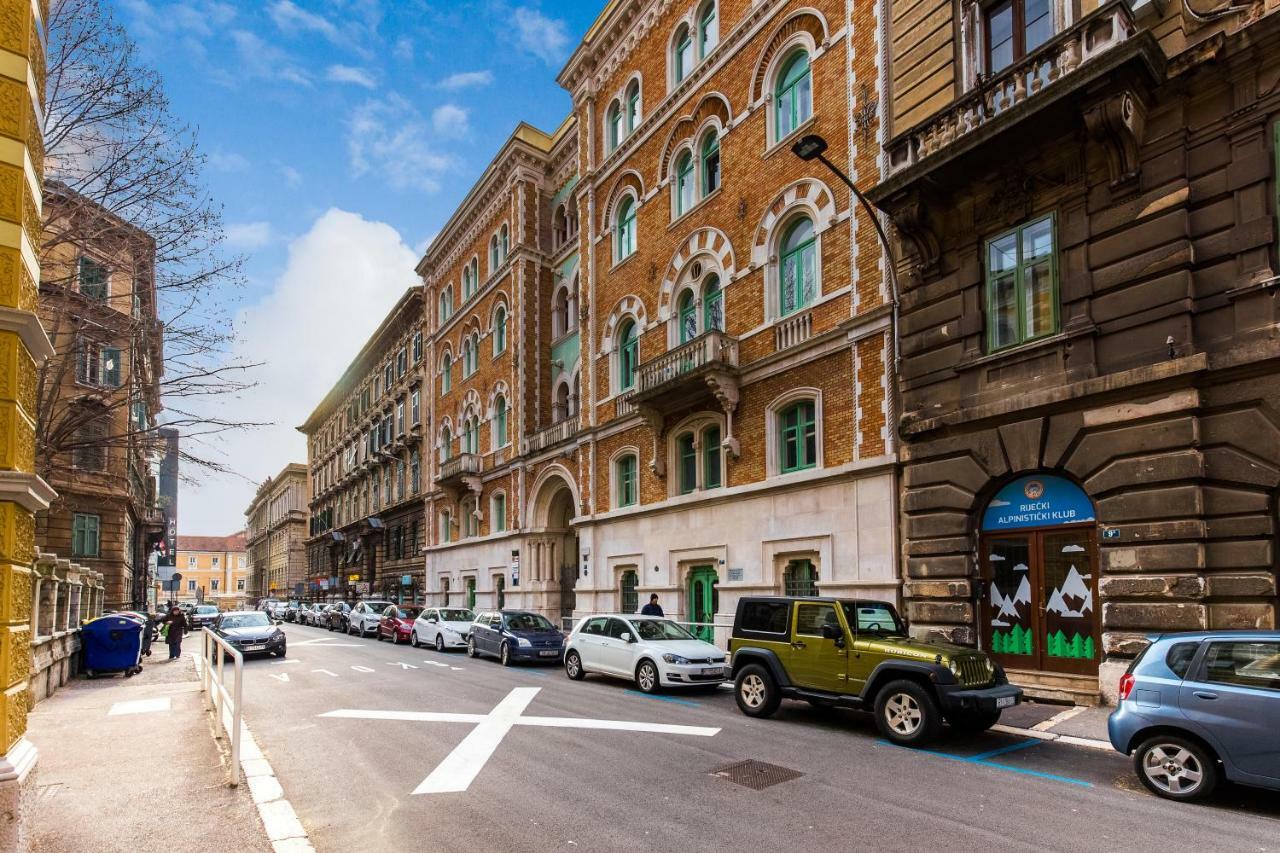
(214, 569)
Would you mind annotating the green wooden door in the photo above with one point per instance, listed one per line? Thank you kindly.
(703, 597)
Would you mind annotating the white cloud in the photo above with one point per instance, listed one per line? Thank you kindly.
(291, 19)
(339, 281)
(390, 138)
(403, 50)
(248, 235)
(450, 120)
(292, 177)
(193, 17)
(225, 161)
(465, 80)
(546, 38)
(349, 74)
(257, 58)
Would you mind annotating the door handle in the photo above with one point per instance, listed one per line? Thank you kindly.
(797, 645)
(1205, 694)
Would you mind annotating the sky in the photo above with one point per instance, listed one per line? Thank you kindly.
(340, 135)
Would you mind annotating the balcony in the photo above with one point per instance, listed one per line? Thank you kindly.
(706, 366)
(793, 331)
(459, 471)
(1093, 70)
(558, 433)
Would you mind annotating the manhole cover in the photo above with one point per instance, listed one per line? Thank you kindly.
(756, 775)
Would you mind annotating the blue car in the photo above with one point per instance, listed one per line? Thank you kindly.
(511, 635)
(1198, 707)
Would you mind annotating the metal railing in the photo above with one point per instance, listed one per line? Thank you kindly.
(708, 349)
(223, 702)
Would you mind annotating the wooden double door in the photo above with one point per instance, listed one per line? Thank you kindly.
(1039, 608)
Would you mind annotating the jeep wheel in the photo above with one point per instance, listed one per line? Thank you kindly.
(973, 722)
(906, 713)
(756, 691)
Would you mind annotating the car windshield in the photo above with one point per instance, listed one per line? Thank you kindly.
(378, 605)
(529, 622)
(456, 615)
(245, 620)
(872, 617)
(410, 612)
(206, 608)
(660, 629)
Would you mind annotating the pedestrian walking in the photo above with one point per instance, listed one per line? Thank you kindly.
(653, 608)
(177, 624)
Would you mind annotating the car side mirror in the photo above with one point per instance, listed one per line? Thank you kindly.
(832, 632)
(627, 638)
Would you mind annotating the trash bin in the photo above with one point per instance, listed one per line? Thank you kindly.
(112, 643)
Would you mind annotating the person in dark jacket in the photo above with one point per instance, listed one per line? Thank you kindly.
(177, 627)
(653, 608)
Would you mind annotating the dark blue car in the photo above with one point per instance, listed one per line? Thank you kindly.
(1197, 707)
(511, 635)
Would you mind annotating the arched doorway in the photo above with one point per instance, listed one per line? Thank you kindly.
(1039, 554)
(553, 547)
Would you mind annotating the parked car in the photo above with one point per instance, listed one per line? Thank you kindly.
(511, 635)
(651, 651)
(201, 616)
(253, 632)
(312, 614)
(365, 616)
(268, 605)
(1197, 707)
(799, 648)
(336, 616)
(290, 612)
(396, 623)
(442, 627)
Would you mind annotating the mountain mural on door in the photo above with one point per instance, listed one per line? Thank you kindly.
(1010, 632)
(1068, 618)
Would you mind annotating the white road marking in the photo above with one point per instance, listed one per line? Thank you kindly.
(359, 668)
(401, 665)
(1060, 717)
(456, 668)
(284, 676)
(326, 672)
(282, 662)
(461, 766)
(435, 663)
(140, 706)
(324, 642)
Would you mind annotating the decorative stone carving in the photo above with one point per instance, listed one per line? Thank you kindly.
(1119, 122)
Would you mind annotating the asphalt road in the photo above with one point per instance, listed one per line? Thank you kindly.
(539, 785)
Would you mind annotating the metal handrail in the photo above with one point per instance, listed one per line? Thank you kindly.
(218, 697)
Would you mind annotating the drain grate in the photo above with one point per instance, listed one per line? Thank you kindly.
(756, 775)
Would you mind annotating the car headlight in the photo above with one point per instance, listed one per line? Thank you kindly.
(277, 637)
(670, 658)
(523, 643)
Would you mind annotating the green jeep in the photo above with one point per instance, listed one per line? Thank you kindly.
(857, 654)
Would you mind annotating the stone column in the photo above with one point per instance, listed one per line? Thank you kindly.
(23, 344)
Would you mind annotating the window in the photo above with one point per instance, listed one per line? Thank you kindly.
(417, 347)
(504, 243)
(446, 374)
(1022, 284)
(628, 354)
(90, 450)
(500, 422)
(500, 586)
(500, 331)
(685, 184)
(415, 407)
(712, 304)
(217, 562)
(415, 472)
(93, 279)
(765, 617)
(624, 236)
(471, 435)
(388, 377)
(84, 535)
(1180, 657)
(191, 586)
(711, 458)
(239, 584)
(1015, 28)
(710, 154)
(498, 513)
(468, 286)
(687, 311)
(708, 31)
(402, 362)
(446, 442)
(468, 357)
(800, 579)
(686, 463)
(630, 598)
(799, 437)
(614, 118)
(633, 107)
(469, 521)
(399, 417)
(793, 96)
(191, 562)
(810, 618)
(446, 534)
(683, 56)
(1244, 664)
(98, 365)
(798, 269)
(213, 585)
(626, 476)
(494, 260)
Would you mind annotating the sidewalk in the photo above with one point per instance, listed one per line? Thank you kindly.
(131, 764)
(1077, 725)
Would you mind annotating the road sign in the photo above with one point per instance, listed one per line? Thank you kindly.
(355, 578)
(362, 588)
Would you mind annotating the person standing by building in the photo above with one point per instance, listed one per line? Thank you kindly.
(177, 621)
(653, 608)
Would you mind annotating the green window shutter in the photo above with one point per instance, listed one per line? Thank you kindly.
(711, 475)
(688, 317)
(710, 163)
(684, 184)
(687, 460)
(798, 437)
(793, 95)
(712, 304)
(93, 279)
(1022, 289)
(627, 481)
(111, 367)
(500, 513)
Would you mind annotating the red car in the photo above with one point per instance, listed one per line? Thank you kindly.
(396, 623)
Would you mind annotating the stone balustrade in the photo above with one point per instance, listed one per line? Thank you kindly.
(64, 595)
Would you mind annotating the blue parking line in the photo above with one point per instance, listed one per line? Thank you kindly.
(662, 698)
(536, 672)
(982, 759)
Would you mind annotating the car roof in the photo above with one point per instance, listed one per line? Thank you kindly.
(1196, 636)
(823, 598)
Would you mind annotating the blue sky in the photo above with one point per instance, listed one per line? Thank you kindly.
(341, 135)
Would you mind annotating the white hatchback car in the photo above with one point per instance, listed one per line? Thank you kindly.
(652, 651)
(365, 617)
(442, 627)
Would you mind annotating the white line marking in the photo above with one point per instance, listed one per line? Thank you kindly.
(326, 672)
(323, 642)
(1060, 717)
(617, 726)
(139, 706)
(435, 663)
(409, 716)
(401, 665)
(456, 668)
(282, 662)
(284, 676)
(460, 767)
(359, 668)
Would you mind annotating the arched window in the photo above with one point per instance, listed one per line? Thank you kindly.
(415, 472)
(560, 226)
(494, 260)
(628, 354)
(712, 465)
(500, 330)
(682, 53)
(708, 29)
(798, 435)
(686, 463)
(712, 304)
(686, 184)
(560, 406)
(800, 579)
(468, 357)
(500, 422)
(575, 395)
(798, 267)
(624, 236)
(626, 480)
(446, 374)
(614, 119)
(504, 244)
(560, 312)
(687, 310)
(710, 155)
(471, 435)
(446, 443)
(793, 95)
(633, 106)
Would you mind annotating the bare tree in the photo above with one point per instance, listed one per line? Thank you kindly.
(125, 201)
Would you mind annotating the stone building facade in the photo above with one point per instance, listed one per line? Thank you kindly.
(276, 535)
(1086, 211)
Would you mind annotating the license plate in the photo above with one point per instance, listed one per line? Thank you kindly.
(713, 670)
(256, 648)
(1006, 701)
(549, 653)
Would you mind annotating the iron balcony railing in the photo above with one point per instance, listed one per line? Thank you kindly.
(558, 433)
(713, 349)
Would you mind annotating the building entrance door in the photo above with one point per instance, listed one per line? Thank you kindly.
(704, 600)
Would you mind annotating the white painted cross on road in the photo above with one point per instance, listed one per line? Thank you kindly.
(460, 767)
